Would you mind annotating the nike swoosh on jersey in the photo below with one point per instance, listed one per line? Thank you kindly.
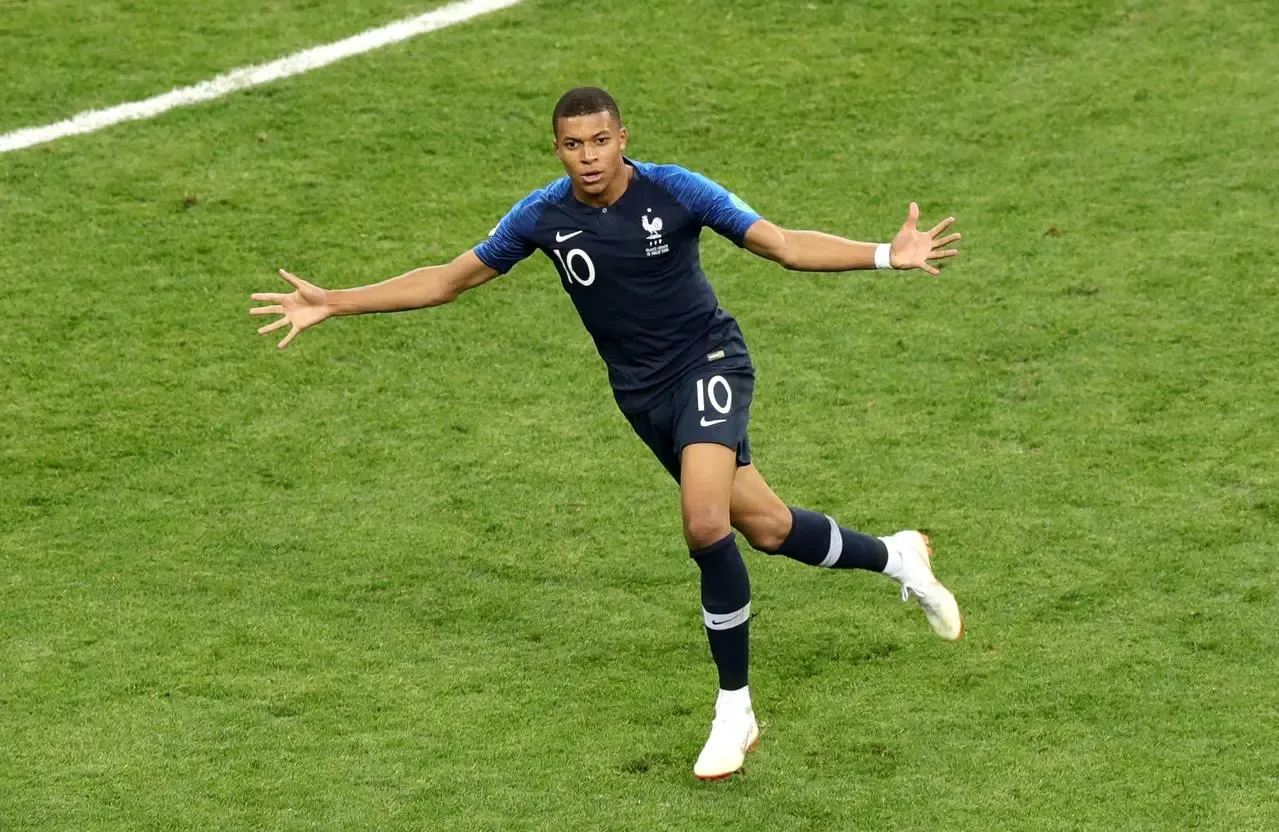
(707, 424)
(569, 236)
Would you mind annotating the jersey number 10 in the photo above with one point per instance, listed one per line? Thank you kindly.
(570, 273)
(706, 390)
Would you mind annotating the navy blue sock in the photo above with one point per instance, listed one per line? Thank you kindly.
(817, 540)
(726, 609)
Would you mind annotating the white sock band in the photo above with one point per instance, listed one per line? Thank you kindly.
(836, 545)
(727, 620)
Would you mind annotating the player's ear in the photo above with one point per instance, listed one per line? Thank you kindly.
(622, 136)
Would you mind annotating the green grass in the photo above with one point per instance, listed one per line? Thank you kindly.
(416, 573)
(97, 54)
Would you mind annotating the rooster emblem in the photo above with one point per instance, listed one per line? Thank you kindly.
(652, 226)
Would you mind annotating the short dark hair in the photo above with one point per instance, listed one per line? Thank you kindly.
(583, 101)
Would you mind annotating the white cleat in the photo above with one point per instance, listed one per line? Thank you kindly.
(733, 735)
(917, 579)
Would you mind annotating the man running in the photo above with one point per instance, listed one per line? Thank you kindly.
(623, 236)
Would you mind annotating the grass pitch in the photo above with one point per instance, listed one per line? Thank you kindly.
(416, 572)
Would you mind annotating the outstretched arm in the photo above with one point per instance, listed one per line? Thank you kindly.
(813, 251)
(428, 286)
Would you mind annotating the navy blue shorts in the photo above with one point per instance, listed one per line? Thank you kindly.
(703, 406)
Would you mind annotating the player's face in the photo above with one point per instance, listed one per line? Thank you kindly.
(591, 149)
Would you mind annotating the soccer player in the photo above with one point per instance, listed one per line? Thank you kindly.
(623, 236)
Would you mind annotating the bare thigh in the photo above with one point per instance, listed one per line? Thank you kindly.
(706, 485)
(757, 512)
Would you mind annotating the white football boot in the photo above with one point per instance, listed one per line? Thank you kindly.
(734, 733)
(917, 579)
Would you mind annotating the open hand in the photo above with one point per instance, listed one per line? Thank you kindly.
(303, 308)
(912, 248)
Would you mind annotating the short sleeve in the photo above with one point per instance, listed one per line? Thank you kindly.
(512, 239)
(710, 203)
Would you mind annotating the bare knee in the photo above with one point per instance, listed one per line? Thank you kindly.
(703, 527)
(766, 529)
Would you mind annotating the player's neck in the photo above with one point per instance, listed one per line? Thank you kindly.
(610, 194)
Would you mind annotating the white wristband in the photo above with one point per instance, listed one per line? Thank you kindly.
(884, 256)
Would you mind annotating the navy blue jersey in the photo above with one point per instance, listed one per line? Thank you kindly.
(634, 272)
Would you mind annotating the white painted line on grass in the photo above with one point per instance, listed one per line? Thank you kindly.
(253, 76)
